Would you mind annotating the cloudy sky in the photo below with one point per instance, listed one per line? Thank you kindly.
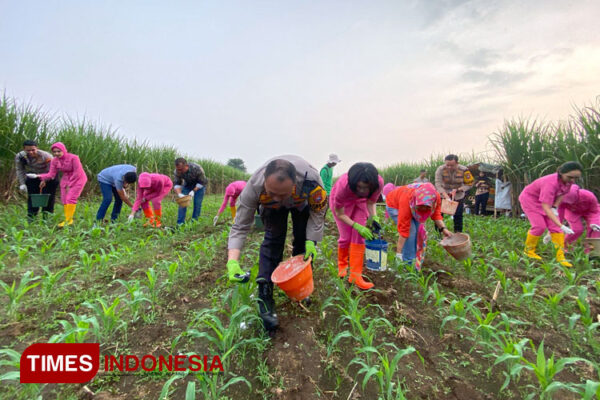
(379, 81)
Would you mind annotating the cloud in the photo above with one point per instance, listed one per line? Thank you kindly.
(490, 79)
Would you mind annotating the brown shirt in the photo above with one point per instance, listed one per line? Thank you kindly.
(308, 192)
(40, 164)
(446, 180)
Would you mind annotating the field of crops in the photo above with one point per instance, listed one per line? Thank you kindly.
(434, 334)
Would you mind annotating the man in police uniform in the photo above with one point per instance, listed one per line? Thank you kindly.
(453, 181)
(284, 185)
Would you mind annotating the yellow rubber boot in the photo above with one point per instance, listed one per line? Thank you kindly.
(233, 211)
(357, 258)
(530, 245)
(69, 212)
(559, 243)
(149, 216)
(343, 255)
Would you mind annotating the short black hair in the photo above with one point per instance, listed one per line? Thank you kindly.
(180, 160)
(30, 142)
(130, 177)
(570, 166)
(283, 168)
(451, 157)
(423, 170)
(363, 172)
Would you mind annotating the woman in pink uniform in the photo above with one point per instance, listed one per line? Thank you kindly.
(540, 200)
(151, 188)
(352, 200)
(386, 190)
(72, 182)
(580, 204)
(232, 191)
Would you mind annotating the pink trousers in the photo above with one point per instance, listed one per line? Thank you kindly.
(348, 234)
(70, 194)
(576, 223)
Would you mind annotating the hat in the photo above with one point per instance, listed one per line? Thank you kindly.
(333, 158)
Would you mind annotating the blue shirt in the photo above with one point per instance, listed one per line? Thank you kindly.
(114, 175)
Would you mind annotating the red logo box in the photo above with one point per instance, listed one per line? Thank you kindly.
(60, 362)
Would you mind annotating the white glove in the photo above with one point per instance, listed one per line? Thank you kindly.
(32, 176)
(567, 230)
(191, 193)
(180, 195)
(215, 219)
(595, 228)
(23, 188)
(547, 238)
(555, 211)
(130, 218)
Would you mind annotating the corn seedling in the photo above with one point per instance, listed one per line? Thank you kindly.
(15, 293)
(109, 318)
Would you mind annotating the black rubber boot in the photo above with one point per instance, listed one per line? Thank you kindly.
(266, 306)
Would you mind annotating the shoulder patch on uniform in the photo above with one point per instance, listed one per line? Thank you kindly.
(468, 178)
(317, 199)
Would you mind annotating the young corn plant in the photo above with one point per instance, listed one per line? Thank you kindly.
(50, 279)
(15, 293)
(546, 369)
(153, 286)
(109, 318)
(384, 370)
(76, 333)
(553, 301)
(135, 298)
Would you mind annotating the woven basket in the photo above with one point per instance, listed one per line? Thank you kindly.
(184, 201)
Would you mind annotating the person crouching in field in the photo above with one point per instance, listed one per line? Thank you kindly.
(284, 185)
(410, 206)
(232, 192)
(72, 182)
(580, 205)
(539, 201)
(113, 181)
(386, 190)
(189, 179)
(151, 188)
(352, 200)
(35, 161)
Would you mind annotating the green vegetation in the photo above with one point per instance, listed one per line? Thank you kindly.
(97, 146)
(420, 334)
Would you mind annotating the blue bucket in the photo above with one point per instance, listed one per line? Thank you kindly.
(376, 254)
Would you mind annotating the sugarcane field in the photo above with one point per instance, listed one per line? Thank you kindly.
(283, 200)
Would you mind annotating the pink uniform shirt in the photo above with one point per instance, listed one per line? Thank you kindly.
(73, 176)
(388, 188)
(543, 190)
(69, 165)
(232, 192)
(151, 187)
(580, 202)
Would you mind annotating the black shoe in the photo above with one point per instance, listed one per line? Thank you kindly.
(266, 306)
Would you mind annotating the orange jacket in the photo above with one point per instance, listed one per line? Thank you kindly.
(399, 199)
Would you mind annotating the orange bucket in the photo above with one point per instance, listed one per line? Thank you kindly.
(294, 276)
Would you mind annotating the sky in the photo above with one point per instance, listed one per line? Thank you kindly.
(378, 81)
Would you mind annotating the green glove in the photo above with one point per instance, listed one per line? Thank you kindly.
(311, 250)
(233, 269)
(363, 231)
